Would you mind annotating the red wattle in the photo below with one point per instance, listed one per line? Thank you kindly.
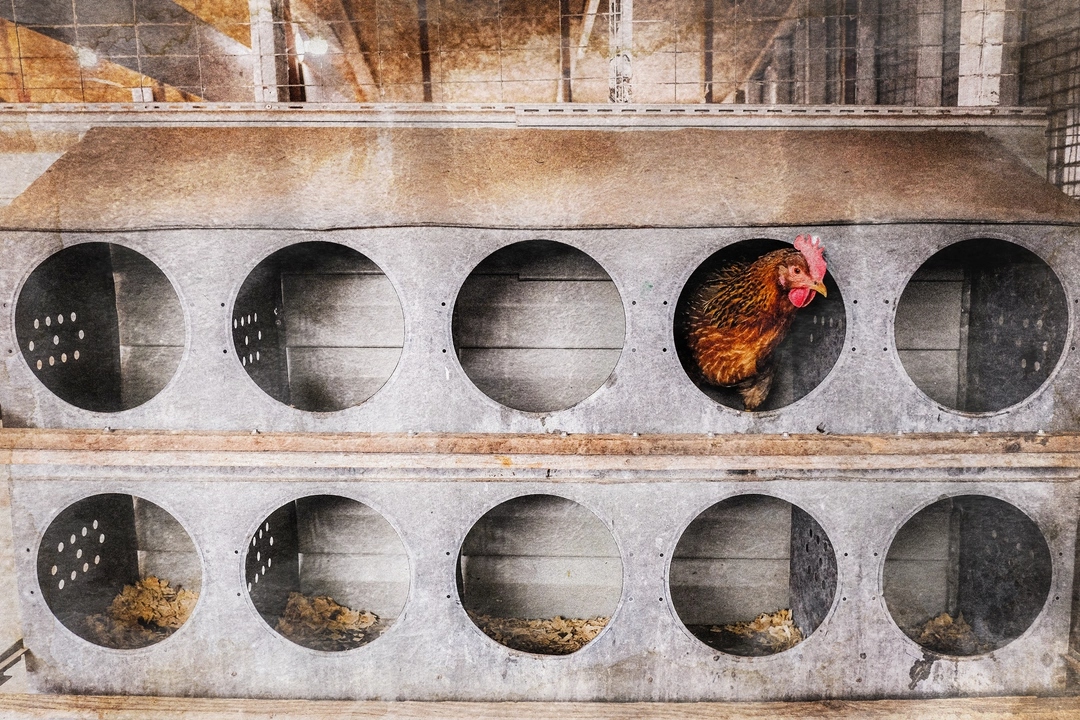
(800, 297)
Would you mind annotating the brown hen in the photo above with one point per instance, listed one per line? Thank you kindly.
(736, 318)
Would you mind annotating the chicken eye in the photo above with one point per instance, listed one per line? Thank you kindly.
(797, 271)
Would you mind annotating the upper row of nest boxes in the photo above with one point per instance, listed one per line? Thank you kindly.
(538, 327)
(400, 279)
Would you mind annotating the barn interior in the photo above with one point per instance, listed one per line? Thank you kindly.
(372, 308)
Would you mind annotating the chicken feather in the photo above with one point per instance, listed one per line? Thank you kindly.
(738, 316)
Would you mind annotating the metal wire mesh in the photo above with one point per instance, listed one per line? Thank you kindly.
(779, 51)
(1051, 78)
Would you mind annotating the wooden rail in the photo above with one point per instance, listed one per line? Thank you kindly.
(76, 707)
(575, 453)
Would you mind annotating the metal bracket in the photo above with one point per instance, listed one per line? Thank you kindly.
(10, 657)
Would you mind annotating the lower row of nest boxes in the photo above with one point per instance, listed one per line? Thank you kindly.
(751, 575)
(537, 327)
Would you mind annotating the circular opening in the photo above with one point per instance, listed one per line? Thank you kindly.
(327, 572)
(538, 326)
(318, 326)
(981, 325)
(540, 574)
(119, 571)
(100, 326)
(740, 338)
(753, 575)
(967, 575)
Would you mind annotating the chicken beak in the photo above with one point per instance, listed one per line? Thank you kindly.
(820, 288)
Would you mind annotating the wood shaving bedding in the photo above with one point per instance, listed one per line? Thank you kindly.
(554, 636)
(142, 614)
(949, 636)
(320, 623)
(766, 634)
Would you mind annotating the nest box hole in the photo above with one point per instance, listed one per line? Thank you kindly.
(318, 326)
(100, 326)
(327, 572)
(753, 575)
(804, 356)
(981, 325)
(540, 574)
(967, 575)
(119, 571)
(538, 326)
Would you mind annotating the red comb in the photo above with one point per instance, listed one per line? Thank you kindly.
(811, 249)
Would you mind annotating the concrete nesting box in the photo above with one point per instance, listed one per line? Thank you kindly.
(499, 318)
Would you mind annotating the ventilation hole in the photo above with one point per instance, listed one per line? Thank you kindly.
(60, 547)
(63, 357)
(84, 531)
(256, 317)
(73, 317)
(271, 540)
(36, 325)
(31, 346)
(38, 364)
(52, 571)
(60, 584)
(73, 573)
(52, 360)
(258, 556)
(269, 562)
(48, 322)
(82, 335)
(101, 538)
(97, 559)
(75, 354)
(78, 553)
(94, 525)
(267, 527)
(72, 539)
(85, 567)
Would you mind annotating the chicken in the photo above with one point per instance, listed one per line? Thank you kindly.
(737, 317)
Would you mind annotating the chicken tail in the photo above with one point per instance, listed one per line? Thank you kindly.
(754, 390)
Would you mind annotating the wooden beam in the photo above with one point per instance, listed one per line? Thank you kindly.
(587, 27)
(230, 17)
(78, 707)
(707, 43)
(1055, 457)
(345, 47)
(425, 48)
(565, 58)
